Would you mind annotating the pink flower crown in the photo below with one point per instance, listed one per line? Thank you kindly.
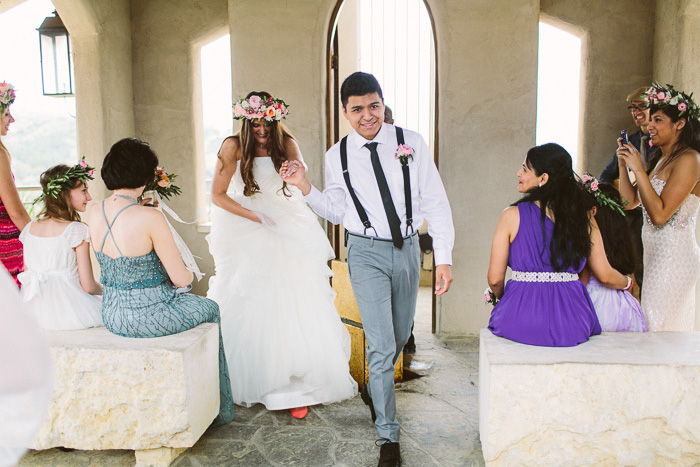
(257, 108)
(7, 94)
(666, 96)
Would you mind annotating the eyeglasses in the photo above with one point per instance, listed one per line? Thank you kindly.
(637, 108)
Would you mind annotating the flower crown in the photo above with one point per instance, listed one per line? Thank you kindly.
(590, 183)
(256, 108)
(666, 96)
(7, 94)
(81, 172)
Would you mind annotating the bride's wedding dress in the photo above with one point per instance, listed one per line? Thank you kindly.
(285, 344)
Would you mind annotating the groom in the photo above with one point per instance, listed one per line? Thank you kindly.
(382, 183)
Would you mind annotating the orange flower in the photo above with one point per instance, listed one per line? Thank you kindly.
(164, 181)
(270, 112)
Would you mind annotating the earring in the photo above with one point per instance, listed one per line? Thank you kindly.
(540, 185)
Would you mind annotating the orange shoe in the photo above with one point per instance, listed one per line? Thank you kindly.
(300, 412)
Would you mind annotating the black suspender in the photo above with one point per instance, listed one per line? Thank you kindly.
(344, 164)
(406, 183)
(358, 206)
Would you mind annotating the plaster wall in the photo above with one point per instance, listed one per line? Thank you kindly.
(101, 39)
(487, 70)
(167, 36)
(618, 46)
(677, 60)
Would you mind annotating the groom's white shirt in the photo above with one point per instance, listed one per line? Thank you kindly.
(428, 195)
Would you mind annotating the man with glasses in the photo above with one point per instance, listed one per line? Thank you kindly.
(639, 108)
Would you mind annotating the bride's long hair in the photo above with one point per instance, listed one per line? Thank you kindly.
(275, 148)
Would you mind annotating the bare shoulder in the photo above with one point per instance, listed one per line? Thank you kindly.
(510, 213)
(230, 149)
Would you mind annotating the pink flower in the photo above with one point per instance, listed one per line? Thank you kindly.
(594, 185)
(4, 86)
(487, 297)
(661, 95)
(91, 172)
(82, 163)
(238, 110)
(585, 178)
(255, 102)
(682, 107)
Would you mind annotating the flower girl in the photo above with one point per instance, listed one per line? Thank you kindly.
(58, 285)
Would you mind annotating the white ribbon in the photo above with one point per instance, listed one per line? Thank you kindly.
(187, 257)
(31, 280)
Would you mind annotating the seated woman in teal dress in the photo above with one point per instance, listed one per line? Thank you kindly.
(141, 265)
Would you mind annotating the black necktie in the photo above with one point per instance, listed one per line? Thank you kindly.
(392, 217)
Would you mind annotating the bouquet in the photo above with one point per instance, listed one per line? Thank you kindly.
(162, 184)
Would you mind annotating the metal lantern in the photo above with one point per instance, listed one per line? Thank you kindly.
(56, 66)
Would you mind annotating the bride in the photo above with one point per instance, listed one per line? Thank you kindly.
(285, 344)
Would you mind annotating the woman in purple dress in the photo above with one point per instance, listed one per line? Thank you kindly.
(546, 238)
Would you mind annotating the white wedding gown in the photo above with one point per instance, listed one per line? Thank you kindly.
(671, 267)
(285, 344)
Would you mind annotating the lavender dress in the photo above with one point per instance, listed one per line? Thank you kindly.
(541, 306)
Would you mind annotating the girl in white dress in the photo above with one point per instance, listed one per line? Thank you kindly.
(58, 285)
(285, 344)
(670, 197)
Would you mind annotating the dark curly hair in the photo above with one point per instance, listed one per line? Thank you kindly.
(130, 163)
(566, 199)
(617, 239)
(689, 137)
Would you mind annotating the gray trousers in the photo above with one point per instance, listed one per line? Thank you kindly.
(385, 283)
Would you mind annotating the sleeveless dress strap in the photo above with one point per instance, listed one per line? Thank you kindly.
(109, 226)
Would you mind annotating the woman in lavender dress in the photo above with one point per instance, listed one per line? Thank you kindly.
(546, 238)
(617, 310)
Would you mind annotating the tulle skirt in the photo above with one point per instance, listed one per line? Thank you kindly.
(58, 303)
(617, 310)
(285, 344)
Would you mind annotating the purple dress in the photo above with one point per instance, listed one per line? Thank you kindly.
(541, 306)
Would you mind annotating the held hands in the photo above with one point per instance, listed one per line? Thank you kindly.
(294, 173)
(443, 278)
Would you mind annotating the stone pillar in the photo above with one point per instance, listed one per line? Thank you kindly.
(101, 39)
(486, 76)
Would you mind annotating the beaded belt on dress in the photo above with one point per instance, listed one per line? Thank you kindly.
(522, 276)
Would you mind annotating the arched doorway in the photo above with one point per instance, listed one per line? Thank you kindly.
(396, 43)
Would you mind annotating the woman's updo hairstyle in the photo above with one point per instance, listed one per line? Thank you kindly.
(130, 163)
(690, 134)
(566, 200)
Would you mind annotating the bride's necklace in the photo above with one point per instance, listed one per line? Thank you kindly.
(130, 198)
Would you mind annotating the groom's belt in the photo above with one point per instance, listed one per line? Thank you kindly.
(376, 239)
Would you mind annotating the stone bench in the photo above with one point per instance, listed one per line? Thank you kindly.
(618, 399)
(156, 396)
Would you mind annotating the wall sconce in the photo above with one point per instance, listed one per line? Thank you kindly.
(56, 66)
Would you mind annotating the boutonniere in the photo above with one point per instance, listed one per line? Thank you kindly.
(404, 153)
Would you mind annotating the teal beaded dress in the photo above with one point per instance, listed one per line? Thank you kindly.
(139, 300)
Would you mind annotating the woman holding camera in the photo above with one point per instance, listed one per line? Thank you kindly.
(670, 197)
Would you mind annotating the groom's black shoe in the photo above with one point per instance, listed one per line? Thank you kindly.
(389, 455)
(368, 400)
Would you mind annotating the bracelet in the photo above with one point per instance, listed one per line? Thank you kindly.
(628, 287)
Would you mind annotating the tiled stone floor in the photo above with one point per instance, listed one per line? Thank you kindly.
(438, 413)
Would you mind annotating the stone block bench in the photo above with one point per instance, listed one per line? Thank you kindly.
(618, 399)
(156, 396)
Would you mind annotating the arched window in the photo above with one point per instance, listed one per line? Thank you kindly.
(559, 89)
(217, 115)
